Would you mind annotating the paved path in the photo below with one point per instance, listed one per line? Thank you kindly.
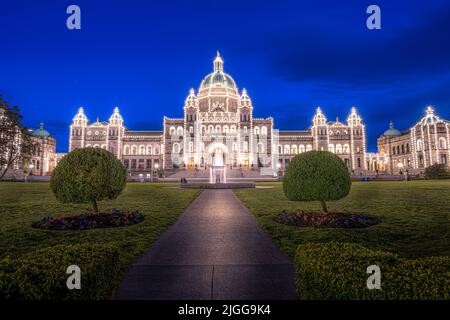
(215, 250)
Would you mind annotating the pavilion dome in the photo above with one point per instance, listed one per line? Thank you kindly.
(218, 78)
(392, 132)
(40, 132)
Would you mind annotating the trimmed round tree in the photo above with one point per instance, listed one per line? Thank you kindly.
(88, 175)
(316, 176)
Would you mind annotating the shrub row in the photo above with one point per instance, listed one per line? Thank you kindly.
(41, 274)
(338, 271)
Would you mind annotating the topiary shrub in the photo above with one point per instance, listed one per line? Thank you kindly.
(437, 171)
(41, 274)
(88, 175)
(316, 176)
(339, 271)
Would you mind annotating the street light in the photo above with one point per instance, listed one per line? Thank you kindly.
(31, 166)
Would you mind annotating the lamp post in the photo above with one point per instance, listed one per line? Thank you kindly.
(156, 166)
(278, 170)
(30, 169)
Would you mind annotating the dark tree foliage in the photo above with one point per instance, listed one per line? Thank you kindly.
(316, 176)
(88, 175)
(437, 171)
(16, 143)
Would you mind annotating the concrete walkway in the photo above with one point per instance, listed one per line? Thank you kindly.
(215, 250)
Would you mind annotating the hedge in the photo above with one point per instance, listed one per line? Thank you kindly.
(338, 271)
(41, 274)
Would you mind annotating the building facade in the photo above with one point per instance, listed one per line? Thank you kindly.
(218, 119)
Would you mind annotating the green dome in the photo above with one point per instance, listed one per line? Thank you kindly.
(220, 78)
(392, 132)
(41, 132)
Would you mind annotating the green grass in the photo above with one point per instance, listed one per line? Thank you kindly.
(22, 204)
(415, 217)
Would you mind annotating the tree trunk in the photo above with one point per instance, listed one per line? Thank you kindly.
(95, 207)
(324, 206)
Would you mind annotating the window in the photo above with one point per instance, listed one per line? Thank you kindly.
(141, 150)
(393, 150)
(149, 150)
(442, 144)
(338, 149)
(126, 150)
(133, 164)
(359, 163)
(179, 131)
(245, 146)
(134, 150)
(287, 149)
(172, 131)
(301, 148)
(294, 149)
(191, 129)
(331, 148)
(308, 147)
(264, 130)
(346, 149)
(419, 145)
(280, 149)
(191, 147)
(256, 130)
(233, 129)
(260, 147)
(149, 164)
(141, 164)
(234, 148)
(126, 163)
(225, 129)
(218, 129)
(245, 129)
(407, 148)
(176, 148)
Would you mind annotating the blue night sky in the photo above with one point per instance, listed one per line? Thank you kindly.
(291, 56)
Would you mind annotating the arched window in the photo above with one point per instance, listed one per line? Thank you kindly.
(141, 150)
(203, 129)
(218, 129)
(256, 130)
(157, 149)
(149, 150)
(308, 147)
(331, 148)
(191, 129)
(442, 143)
(233, 129)
(419, 145)
(287, 149)
(176, 148)
(210, 129)
(338, 149)
(134, 150)
(172, 131)
(264, 130)
(126, 150)
(346, 149)
(96, 146)
(225, 129)
(245, 146)
(202, 147)
(179, 131)
(301, 148)
(245, 130)
(191, 146)
(294, 149)
(234, 148)
(103, 146)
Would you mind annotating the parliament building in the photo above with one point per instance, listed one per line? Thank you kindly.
(218, 120)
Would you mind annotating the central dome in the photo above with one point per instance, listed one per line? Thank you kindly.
(218, 78)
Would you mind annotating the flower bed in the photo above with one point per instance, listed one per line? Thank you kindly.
(89, 220)
(326, 220)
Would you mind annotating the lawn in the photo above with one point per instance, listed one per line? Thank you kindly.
(415, 216)
(21, 204)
